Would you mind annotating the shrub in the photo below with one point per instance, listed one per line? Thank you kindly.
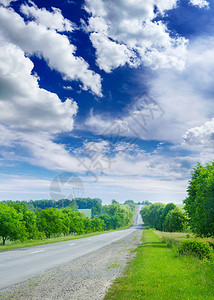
(200, 249)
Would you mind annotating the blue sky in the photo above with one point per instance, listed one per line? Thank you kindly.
(115, 95)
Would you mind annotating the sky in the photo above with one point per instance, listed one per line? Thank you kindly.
(105, 99)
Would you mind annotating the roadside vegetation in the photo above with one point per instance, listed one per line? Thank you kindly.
(160, 272)
(176, 258)
(164, 217)
(28, 224)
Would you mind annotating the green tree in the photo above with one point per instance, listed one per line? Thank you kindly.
(96, 210)
(11, 225)
(52, 221)
(28, 218)
(167, 209)
(151, 214)
(199, 205)
(175, 221)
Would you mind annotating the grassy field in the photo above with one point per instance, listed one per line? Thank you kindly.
(174, 238)
(85, 212)
(181, 207)
(157, 272)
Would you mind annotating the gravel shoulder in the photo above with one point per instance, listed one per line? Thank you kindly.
(87, 277)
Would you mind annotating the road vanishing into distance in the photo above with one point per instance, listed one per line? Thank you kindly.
(24, 263)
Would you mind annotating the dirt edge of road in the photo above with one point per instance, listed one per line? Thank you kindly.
(87, 277)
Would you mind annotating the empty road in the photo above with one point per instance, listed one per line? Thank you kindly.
(22, 264)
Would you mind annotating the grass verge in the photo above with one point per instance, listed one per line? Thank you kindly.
(157, 272)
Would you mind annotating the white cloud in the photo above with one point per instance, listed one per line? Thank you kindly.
(200, 3)
(124, 32)
(201, 136)
(23, 105)
(182, 100)
(110, 55)
(56, 49)
(6, 2)
(51, 20)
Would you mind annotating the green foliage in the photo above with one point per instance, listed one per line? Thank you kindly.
(199, 205)
(131, 204)
(166, 210)
(146, 202)
(11, 226)
(52, 221)
(17, 221)
(200, 249)
(175, 221)
(96, 210)
(151, 214)
(28, 218)
(156, 273)
(81, 203)
(116, 215)
(164, 217)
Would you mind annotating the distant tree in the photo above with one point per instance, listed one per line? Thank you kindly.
(96, 210)
(52, 221)
(113, 201)
(87, 203)
(175, 221)
(151, 214)
(107, 220)
(131, 204)
(11, 226)
(167, 209)
(98, 225)
(199, 205)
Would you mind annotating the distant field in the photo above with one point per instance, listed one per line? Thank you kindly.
(85, 212)
(181, 207)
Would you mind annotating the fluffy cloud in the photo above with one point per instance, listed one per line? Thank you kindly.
(201, 136)
(6, 2)
(179, 101)
(51, 20)
(30, 116)
(37, 39)
(200, 3)
(23, 105)
(124, 32)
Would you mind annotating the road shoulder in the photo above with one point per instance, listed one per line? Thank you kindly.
(87, 277)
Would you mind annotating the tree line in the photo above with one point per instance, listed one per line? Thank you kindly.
(164, 217)
(19, 222)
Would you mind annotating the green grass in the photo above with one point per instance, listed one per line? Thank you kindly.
(158, 273)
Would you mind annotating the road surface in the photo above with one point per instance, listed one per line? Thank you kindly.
(22, 264)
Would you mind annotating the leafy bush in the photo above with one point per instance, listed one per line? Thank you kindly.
(200, 249)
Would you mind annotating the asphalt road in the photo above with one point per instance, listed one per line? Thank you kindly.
(22, 264)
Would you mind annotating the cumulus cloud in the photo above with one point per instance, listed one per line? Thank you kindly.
(51, 20)
(23, 105)
(178, 101)
(30, 116)
(37, 39)
(6, 2)
(200, 3)
(125, 32)
(200, 136)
